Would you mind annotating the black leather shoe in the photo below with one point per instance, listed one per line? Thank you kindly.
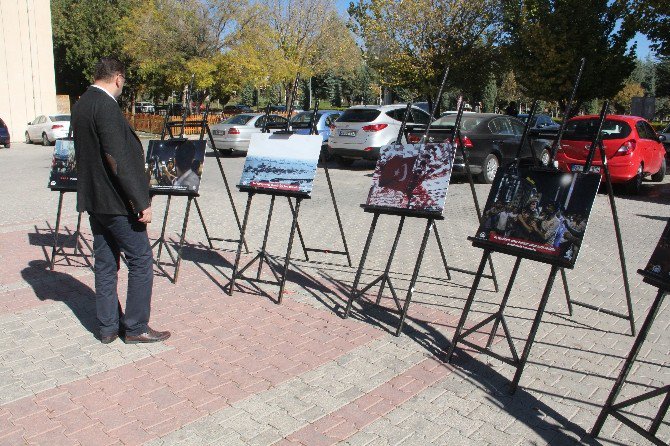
(109, 339)
(150, 335)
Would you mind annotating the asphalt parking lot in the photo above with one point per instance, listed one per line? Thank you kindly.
(243, 370)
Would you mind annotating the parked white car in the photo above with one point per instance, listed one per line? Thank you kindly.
(47, 129)
(362, 130)
(144, 107)
(234, 133)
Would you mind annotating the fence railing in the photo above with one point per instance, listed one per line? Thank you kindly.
(143, 122)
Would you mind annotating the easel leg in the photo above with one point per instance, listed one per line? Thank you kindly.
(337, 212)
(566, 288)
(302, 240)
(390, 260)
(287, 260)
(442, 253)
(503, 303)
(239, 245)
(366, 248)
(468, 304)
(181, 239)
(415, 275)
(533, 329)
(265, 237)
(161, 239)
(230, 195)
(628, 364)
(202, 220)
(56, 229)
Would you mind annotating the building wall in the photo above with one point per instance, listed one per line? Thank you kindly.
(27, 77)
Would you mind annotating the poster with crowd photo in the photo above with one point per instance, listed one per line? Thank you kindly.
(285, 163)
(658, 269)
(412, 177)
(538, 214)
(175, 165)
(63, 166)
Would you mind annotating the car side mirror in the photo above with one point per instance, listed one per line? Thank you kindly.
(662, 138)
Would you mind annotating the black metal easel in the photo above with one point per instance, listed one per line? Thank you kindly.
(79, 239)
(617, 409)
(498, 318)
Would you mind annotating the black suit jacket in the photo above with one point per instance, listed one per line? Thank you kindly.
(110, 159)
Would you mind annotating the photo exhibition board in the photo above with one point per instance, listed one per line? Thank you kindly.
(412, 177)
(657, 271)
(282, 163)
(538, 214)
(175, 165)
(63, 174)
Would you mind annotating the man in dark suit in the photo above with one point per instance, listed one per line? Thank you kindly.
(113, 188)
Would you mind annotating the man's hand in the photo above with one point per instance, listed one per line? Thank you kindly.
(145, 216)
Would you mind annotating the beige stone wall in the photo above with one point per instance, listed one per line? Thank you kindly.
(27, 78)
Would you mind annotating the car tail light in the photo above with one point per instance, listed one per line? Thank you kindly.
(626, 148)
(233, 131)
(374, 127)
(467, 143)
(56, 126)
(413, 139)
(367, 149)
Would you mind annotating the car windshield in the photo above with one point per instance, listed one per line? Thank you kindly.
(302, 119)
(56, 118)
(359, 115)
(238, 119)
(467, 122)
(585, 129)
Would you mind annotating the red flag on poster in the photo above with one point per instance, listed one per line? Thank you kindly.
(397, 173)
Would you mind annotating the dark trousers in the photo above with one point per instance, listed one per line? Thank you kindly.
(113, 234)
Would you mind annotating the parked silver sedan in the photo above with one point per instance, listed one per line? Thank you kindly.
(234, 134)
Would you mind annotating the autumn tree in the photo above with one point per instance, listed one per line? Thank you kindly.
(624, 98)
(548, 38)
(411, 42)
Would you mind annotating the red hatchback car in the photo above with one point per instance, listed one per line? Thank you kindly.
(633, 149)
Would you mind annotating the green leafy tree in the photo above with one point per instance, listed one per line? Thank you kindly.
(490, 94)
(548, 38)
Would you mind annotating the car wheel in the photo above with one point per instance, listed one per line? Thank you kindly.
(28, 141)
(489, 169)
(545, 157)
(658, 176)
(45, 140)
(7, 146)
(634, 186)
(225, 152)
(344, 162)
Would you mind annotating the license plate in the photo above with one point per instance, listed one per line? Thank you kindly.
(347, 132)
(580, 168)
(218, 132)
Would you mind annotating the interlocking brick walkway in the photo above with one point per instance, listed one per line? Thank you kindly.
(244, 370)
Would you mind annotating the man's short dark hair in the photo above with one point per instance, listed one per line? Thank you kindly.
(107, 68)
(184, 155)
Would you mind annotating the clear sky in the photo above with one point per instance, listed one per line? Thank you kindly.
(642, 42)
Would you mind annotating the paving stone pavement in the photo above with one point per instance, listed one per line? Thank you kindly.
(244, 370)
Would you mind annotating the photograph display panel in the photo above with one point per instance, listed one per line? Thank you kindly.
(281, 162)
(412, 177)
(538, 214)
(63, 166)
(658, 267)
(175, 165)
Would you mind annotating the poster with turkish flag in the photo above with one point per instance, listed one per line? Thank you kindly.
(412, 177)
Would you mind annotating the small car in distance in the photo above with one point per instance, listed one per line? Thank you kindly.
(145, 107)
(236, 109)
(48, 128)
(632, 147)
(234, 134)
(4, 134)
(540, 122)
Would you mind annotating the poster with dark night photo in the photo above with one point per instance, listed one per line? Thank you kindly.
(175, 165)
(538, 214)
(658, 269)
(283, 163)
(412, 177)
(63, 166)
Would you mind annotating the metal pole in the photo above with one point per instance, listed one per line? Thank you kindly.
(441, 249)
(161, 239)
(533, 329)
(503, 303)
(181, 238)
(288, 250)
(300, 237)
(390, 260)
(202, 220)
(567, 291)
(337, 212)
(566, 114)
(240, 243)
(56, 229)
(364, 255)
(415, 275)
(265, 237)
(628, 364)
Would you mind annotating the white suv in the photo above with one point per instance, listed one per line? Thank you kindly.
(362, 130)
